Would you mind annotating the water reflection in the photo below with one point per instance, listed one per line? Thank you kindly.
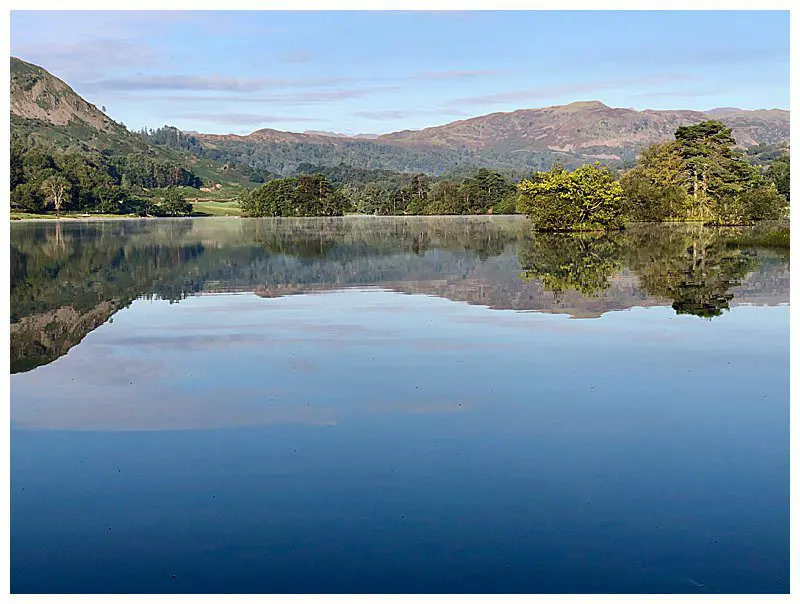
(582, 262)
(262, 442)
(699, 270)
(69, 278)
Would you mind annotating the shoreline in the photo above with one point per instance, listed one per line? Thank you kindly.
(102, 218)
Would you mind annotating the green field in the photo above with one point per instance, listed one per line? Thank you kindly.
(215, 208)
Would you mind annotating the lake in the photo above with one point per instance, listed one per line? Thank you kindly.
(397, 405)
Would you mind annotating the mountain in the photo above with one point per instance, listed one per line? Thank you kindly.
(339, 134)
(516, 142)
(589, 128)
(48, 109)
(38, 95)
(519, 140)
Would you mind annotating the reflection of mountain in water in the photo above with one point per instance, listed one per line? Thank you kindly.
(68, 278)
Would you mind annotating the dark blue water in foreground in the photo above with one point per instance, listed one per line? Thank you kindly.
(365, 440)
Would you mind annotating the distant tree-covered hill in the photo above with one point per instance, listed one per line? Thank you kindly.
(515, 142)
(47, 111)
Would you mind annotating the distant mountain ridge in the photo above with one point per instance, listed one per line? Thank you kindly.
(591, 126)
(519, 140)
(588, 128)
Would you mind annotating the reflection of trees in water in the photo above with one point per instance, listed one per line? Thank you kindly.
(66, 280)
(581, 262)
(94, 269)
(337, 238)
(695, 266)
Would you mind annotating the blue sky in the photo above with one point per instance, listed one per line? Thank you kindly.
(378, 72)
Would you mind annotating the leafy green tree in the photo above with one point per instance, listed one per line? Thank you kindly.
(306, 195)
(586, 199)
(28, 197)
(175, 204)
(56, 189)
(17, 157)
(750, 205)
(373, 198)
(778, 173)
(654, 188)
(273, 198)
(484, 190)
(699, 176)
(315, 196)
(445, 198)
(714, 171)
(507, 205)
(417, 194)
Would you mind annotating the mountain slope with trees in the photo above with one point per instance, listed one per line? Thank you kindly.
(67, 155)
(515, 142)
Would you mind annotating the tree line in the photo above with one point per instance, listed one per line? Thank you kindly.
(380, 193)
(286, 158)
(45, 180)
(698, 176)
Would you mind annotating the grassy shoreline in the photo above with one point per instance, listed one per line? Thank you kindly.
(201, 209)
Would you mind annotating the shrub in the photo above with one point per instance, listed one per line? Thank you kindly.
(174, 203)
(588, 199)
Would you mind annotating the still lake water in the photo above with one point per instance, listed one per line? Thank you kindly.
(397, 405)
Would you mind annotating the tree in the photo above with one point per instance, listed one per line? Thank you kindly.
(417, 194)
(713, 169)
(752, 204)
(306, 195)
(654, 188)
(316, 196)
(778, 172)
(699, 176)
(485, 190)
(56, 188)
(175, 204)
(587, 199)
(273, 198)
(444, 198)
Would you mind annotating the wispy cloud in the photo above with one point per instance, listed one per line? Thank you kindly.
(696, 55)
(305, 97)
(456, 74)
(531, 94)
(86, 59)
(677, 94)
(322, 96)
(397, 114)
(559, 90)
(238, 84)
(247, 119)
(185, 82)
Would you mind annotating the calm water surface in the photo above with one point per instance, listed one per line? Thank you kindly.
(397, 405)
